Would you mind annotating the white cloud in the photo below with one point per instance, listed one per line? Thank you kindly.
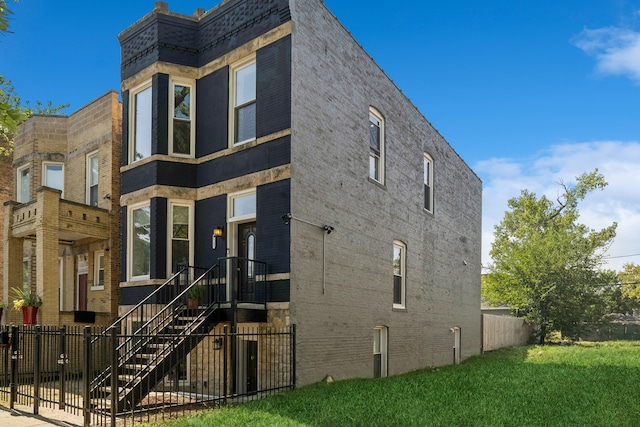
(617, 50)
(619, 201)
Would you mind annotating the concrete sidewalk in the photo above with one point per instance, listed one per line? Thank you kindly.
(22, 416)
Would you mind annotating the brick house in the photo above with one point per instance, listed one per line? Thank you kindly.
(62, 230)
(260, 133)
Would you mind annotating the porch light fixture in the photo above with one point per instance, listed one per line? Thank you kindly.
(217, 343)
(217, 232)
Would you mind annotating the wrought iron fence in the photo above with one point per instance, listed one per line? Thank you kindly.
(54, 367)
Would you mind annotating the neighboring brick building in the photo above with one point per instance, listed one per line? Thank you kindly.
(62, 231)
(267, 120)
(6, 193)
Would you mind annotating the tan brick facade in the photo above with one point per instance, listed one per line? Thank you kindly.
(57, 227)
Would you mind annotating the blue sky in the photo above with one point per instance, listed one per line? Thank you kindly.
(528, 93)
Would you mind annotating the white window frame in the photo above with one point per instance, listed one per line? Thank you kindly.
(89, 176)
(96, 271)
(133, 122)
(192, 115)
(233, 220)
(230, 206)
(45, 166)
(19, 184)
(427, 166)
(377, 164)
(233, 70)
(168, 381)
(191, 233)
(130, 211)
(403, 274)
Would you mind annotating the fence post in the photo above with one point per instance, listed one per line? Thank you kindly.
(86, 376)
(225, 374)
(62, 361)
(15, 354)
(5, 372)
(36, 356)
(293, 355)
(114, 376)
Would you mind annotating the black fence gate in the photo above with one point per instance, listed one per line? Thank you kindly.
(55, 367)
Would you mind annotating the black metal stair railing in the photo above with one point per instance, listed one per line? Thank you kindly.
(248, 279)
(153, 336)
(150, 303)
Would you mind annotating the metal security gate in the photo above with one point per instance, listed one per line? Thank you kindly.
(42, 367)
(55, 368)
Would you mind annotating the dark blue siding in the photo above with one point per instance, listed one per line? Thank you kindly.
(160, 111)
(182, 41)
(212, 112)
(273, 201)
(210, 213)
(261, 157)
(161, 173)
(158, 238)
(177, 40)
(134, 294)
(279, 291)
(273, 87)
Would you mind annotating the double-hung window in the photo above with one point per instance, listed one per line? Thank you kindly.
(376, 146)
(53, 176)
(242, 120)
(399, 274)
(92, 179)
(98, 270)
(181, 235)
(428, 183)
(140, 123)
(139, 242)
(23, 183)
(181, 126)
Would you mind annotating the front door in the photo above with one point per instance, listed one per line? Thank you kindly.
(246, 266)
(82, 291)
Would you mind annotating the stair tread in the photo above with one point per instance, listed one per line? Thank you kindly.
(137, 362)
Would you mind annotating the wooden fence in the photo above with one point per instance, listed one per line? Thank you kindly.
(503, 331)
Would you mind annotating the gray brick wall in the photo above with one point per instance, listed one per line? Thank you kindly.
(334, 82)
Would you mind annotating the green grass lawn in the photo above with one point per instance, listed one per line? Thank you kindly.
(577, 385)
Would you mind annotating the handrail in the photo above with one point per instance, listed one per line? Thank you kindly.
(125, 316)
(253, 290)
(138, 311)
(170, 306)
(165, 313)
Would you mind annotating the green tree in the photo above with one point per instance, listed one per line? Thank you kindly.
(546, 266)
(10, 113)
(4, 17)
(630, 280)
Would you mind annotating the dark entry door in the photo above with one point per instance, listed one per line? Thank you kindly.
(82, 292)
(252, 366)
(246, 266)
